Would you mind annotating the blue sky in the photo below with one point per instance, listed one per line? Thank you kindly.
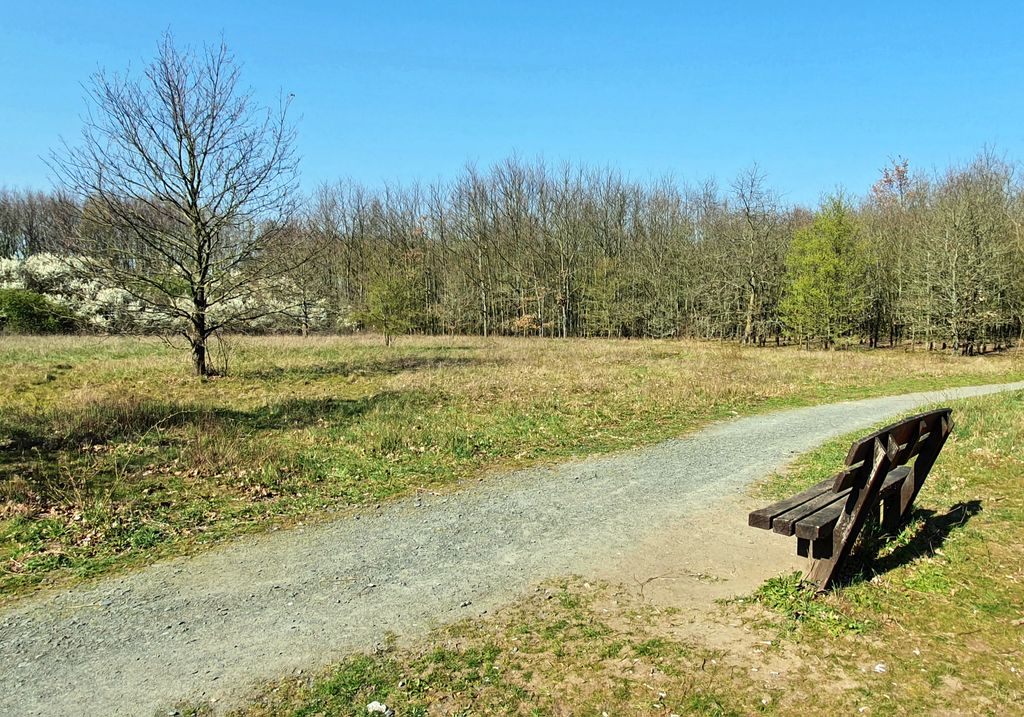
(819, 95)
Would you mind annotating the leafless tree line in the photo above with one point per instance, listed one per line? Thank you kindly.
(524, 248)
(33, 222)
(178, 202)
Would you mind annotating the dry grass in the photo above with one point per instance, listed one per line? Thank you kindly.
(112, 454)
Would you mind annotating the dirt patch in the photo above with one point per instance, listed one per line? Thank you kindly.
(705, 557)
(688, 570)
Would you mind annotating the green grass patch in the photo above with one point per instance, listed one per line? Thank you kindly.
(797, 602)
(535, 658)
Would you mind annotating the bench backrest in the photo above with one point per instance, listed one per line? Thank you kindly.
(920, 436)
(869, 460)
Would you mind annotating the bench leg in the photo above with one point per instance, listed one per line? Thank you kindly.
(818, 549)
(821, 549)
(874, 515)
(892, 510)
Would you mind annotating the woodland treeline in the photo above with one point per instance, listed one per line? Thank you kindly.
(525, 248)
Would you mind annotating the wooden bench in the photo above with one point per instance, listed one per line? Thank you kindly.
(880, 479)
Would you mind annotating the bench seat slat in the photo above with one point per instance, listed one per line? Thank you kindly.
(763, 517)
(821, 523)
(785, 524)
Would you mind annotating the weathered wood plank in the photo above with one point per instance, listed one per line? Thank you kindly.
(922, 441)
(854, 514)
(890, 447)
(785, 524)
(939, 432)
(847, 477)
(861, 449)
(822, 522)
(762, 518)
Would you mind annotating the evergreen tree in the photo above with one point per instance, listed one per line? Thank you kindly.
(825, 272)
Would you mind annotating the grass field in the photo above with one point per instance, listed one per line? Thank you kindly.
(112, 454)
(934, 625)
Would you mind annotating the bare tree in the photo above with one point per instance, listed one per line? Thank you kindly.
(32, 222)
(758, 247)
(186, 183)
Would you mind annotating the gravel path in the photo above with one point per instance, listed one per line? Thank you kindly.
(208, 627)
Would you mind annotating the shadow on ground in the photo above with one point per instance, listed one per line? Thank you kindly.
(933, 534)
(46, 443)
(113, 419)
(363, 368)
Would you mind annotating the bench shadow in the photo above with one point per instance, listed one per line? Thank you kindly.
(865, 562)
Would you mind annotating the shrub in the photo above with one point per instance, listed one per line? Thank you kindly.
(26, 312)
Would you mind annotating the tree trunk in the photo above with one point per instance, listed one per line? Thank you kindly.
(748, 324)
(199, 361)
(200, 334)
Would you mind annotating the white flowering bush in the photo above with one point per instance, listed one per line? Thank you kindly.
(282, 305)
(346, 321)
(11, 275)
(277, 306)
(50, 274)
(67, 280)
